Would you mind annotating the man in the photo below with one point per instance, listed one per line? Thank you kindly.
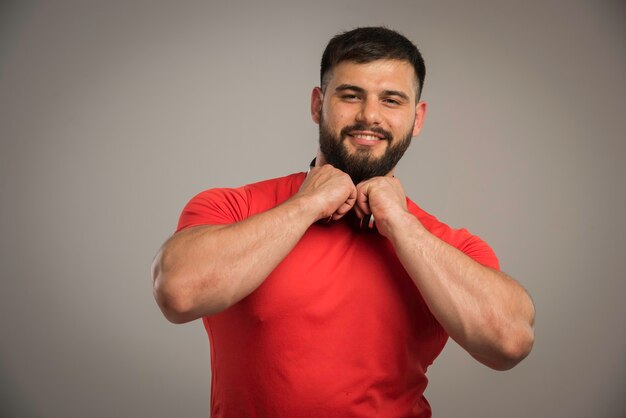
(329, 293)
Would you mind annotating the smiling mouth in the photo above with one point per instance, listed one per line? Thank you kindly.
(366, 136)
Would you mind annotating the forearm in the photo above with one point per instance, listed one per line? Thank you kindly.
(204, 270)
(485, 311)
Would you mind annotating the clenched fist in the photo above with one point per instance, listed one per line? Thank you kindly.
(384, 198)
(330, 191)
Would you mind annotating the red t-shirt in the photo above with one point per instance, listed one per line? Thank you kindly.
(338, 329)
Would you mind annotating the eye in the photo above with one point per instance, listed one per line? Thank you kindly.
(391, 101)
(349, 97)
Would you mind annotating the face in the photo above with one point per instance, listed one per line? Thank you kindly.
(367, 116)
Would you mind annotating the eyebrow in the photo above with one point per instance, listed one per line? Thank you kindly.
(343, 87)
(396, 93)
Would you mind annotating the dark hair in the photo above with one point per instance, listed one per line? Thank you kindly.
(363, 45)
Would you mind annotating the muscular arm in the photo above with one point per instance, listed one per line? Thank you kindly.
(203, 270)
(485, 311)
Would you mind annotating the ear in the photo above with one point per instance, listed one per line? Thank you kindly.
(420, 114)
(317, 97)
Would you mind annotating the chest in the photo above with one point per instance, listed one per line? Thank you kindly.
(338, 274)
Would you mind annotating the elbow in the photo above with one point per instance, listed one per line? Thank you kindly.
(174, 314)
(169, 293)
(173, 304)
(517, 340)
(180, 297)
(513, 339)
(513, 348)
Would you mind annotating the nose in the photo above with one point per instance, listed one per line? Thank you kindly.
(369, 114)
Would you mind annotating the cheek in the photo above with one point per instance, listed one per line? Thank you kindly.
(336, 121)
(402, 123)
(339, 113)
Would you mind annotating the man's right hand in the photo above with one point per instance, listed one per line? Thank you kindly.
(330, 191)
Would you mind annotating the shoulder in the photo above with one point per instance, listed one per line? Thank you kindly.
(228, 205)
(462, 239)
(275, 191)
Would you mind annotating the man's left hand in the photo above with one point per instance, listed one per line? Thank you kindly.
(384, 198)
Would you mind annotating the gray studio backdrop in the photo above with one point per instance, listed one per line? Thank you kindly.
(114, 113)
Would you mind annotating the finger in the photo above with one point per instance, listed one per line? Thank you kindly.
(362, 200)
(359, 212)
(339, 213)
(345, 207)
(351, 200)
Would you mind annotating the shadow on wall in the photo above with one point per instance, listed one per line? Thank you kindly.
(13, 403)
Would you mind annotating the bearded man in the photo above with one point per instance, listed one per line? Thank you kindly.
(329, 293)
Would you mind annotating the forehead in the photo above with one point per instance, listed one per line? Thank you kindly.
(375, 75)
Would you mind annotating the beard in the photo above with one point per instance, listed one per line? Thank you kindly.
(361, 165)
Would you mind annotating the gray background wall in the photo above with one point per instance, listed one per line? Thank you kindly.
(114, 113)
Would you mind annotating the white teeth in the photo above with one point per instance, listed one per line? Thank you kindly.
(367, 137)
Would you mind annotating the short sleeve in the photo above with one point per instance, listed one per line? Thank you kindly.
(474, 247)
(215, 207)
(471, 245)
